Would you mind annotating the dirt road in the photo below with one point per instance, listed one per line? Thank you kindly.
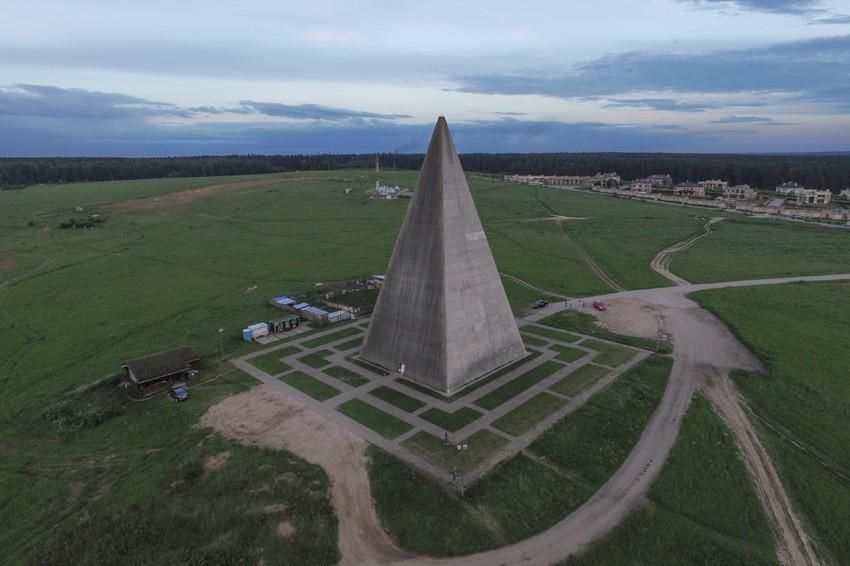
(704, 348)
(793, 544)
(661, 262)
(264, 417)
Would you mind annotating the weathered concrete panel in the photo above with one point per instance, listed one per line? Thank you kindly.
(442, 311)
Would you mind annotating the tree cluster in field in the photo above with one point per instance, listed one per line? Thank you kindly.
(90, 222)
(818, 171)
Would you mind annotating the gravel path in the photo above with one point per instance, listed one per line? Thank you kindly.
(661, 262)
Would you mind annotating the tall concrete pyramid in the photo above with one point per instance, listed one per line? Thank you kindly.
(442, 311)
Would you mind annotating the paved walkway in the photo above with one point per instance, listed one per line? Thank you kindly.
(396, 446)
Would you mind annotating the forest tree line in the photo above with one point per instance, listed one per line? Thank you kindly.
(819, 171)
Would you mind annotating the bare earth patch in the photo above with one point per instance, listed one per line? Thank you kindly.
(8, 261)
(285, 529)
(264, 417)
(630, 316)
(216, 461)
(75, 488)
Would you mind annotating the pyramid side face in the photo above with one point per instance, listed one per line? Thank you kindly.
(481, 330)
(408, 323)
(442, 310)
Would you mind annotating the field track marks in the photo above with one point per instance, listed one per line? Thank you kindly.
(587, 259)
(528, 285)
(793, 545)
(661, 262)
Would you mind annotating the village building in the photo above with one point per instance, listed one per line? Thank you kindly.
(642, 186)
(789, 188)
(739, 192)
(660, 180)
(159, 371)
(688, 189)
(845, 193)
(813, 197)
(714, 186)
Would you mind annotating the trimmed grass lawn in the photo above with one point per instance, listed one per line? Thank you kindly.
(585, 323)
(704, 508)
(420, 513)
(309, 385)
(271, 363)
(481, 445)
(345, 375)
(593, 441)
(609, 354)
(580, 379)
(567, 354)
(524, 417)
(551, 333)
(526, 493)
(518, 385)
(531, 340)
(451, 421)
(332, 337)
(383, 423)
(317, 359)
(356, 343)
(397, 398)
(800, 331)
(366, 365)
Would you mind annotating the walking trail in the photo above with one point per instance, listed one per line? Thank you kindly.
(704, 349)
(661, 262)
(591, 263)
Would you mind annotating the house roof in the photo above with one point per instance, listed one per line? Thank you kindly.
(161, 364)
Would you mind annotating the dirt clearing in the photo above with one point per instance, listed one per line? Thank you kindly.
(264, 417)
(184, 198)
(630, 316)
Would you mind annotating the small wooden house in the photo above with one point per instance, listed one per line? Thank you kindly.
(159, 371)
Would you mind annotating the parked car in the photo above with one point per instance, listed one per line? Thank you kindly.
(600, 306)
(179, 393)
(539, 304)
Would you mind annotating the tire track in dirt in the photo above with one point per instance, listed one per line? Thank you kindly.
(793, 545)
(661, 262)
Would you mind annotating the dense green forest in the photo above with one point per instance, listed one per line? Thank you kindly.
(830, 171)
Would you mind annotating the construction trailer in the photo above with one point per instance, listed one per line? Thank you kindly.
(284, 324)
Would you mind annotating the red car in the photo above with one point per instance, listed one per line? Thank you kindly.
(599, 306)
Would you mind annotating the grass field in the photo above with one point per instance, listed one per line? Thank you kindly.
(271, 363)
(309, 385)
(703, 507)
(800, 332)
(609, 354)
(317, 359)
(383, 423)
(451, 421)
(80, 302)
(512, 388)
(524, 417)
(356, 343)
(480, 446)
(397, 398)
(579, 380)
(529, 492)
(346, 376)
(567, 354)
(751, 249)
(332, 337)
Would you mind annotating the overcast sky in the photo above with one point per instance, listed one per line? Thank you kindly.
(157, 77)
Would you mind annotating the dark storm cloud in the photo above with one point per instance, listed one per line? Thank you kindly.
(836, 19)
(41, 101)
(314, 112)
(44, 137)
(794, 7)
(754, 120)
(815, 71)
(666, 104)
(55, 102)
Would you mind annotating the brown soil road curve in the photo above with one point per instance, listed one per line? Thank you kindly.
(661, 262)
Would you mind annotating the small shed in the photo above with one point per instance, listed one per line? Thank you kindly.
(158, 371)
